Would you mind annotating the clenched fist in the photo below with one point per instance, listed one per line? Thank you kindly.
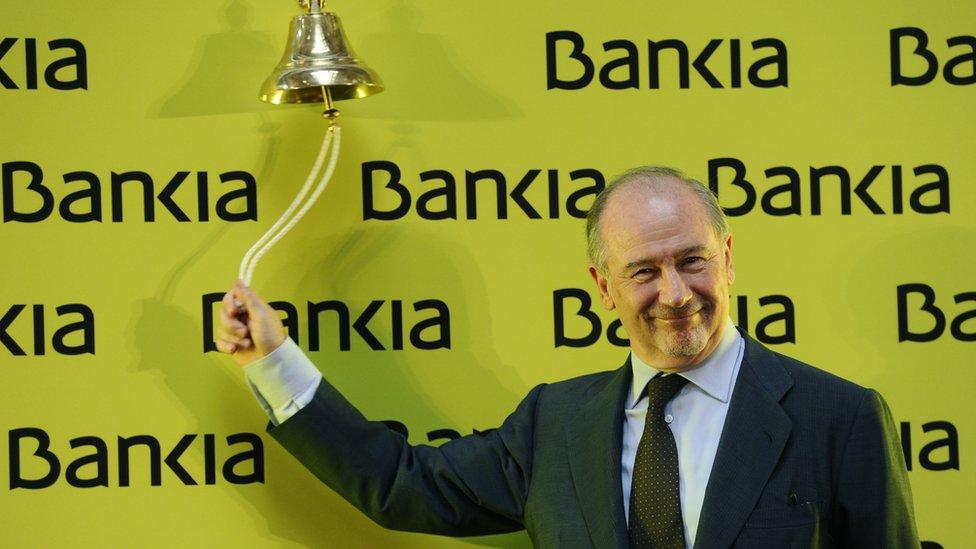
(249, 327)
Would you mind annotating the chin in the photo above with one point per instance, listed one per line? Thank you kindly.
(687, 343)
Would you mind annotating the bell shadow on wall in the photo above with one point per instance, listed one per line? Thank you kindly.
(226, 70)
(292, 503)
(436, 85)
(212, 86)
(223, 78)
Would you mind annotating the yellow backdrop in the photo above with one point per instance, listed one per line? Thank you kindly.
(138, 166)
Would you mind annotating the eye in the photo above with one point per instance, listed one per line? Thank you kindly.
(693, 262)
(645, 273)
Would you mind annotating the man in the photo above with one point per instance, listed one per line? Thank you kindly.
(703, 438)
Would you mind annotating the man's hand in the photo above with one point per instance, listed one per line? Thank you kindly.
(249, 327)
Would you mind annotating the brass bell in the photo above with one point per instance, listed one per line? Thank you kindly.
(319, 66)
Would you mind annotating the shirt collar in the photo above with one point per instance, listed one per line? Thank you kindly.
(714, 375)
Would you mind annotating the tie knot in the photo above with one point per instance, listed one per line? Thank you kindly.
(662, 389)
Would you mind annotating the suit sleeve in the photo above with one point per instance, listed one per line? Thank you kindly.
(474, 485)
(874, 499)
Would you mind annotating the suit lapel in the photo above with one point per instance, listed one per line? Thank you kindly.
(755, 433)
(594, 444)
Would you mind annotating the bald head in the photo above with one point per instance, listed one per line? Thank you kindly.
(625, 194)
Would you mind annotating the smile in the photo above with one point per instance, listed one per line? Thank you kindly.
(677, 319)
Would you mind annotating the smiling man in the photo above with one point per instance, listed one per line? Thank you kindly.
(661, 256)
(702, 438)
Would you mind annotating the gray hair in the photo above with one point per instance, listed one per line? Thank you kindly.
(595, 246)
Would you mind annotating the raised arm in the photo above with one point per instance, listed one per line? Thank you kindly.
(470, 486)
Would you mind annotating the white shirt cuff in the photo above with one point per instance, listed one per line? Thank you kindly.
(283, 382)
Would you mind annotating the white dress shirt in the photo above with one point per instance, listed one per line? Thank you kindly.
(286, 380)
(695, 415)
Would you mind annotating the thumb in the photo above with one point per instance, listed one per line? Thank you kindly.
(246, 297)
(264, 326)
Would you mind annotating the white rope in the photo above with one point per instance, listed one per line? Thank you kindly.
(245, 262)
(287, 221)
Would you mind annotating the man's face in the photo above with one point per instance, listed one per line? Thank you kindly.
(667, 274)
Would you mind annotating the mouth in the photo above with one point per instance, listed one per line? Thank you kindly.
(677, 319)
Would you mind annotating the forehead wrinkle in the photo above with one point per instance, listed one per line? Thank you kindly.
(644, 222)
(641, 219)
(639, 200)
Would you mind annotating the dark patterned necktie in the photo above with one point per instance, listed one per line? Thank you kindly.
(655, 505)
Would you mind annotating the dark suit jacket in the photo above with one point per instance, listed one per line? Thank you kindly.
(805, 459)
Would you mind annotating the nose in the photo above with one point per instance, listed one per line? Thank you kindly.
(673, 292)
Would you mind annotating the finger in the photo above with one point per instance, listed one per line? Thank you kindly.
(231, 326)
(228, 304)
(225, 346)
(247, 297)
(234, 344)
(231, 337)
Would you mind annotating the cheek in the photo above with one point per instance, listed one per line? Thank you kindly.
(712, 288)
(640, 297)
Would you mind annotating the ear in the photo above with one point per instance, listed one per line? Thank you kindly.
(604, 285)
(729, 267)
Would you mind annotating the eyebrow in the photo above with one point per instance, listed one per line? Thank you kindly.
(652, 260)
